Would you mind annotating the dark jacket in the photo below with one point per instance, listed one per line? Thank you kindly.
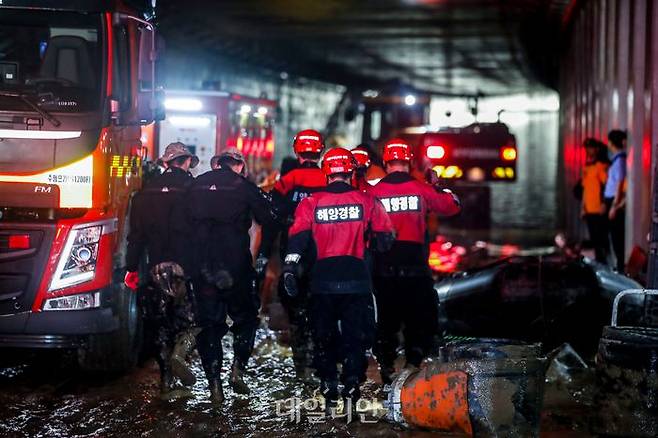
(157, 222)
(287, 193)
(221, 205)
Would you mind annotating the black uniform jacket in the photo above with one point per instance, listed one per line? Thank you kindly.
(158, 225)
(221, 205)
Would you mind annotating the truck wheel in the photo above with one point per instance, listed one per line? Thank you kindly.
(116, 351)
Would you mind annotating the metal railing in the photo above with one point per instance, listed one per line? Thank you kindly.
(622, 294)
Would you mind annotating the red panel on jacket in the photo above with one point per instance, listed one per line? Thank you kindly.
(408, 201)
(338, 222)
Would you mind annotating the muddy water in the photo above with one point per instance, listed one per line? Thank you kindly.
(45, 395)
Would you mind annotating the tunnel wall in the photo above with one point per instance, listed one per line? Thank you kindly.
(302, 103)
(609, 80)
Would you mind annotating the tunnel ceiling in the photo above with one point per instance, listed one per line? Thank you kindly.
(460, 47)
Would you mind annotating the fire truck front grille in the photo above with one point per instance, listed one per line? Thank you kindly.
(24, 250)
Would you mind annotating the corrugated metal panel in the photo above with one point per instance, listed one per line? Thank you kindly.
(609, 77)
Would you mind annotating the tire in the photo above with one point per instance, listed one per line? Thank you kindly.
(117, 351)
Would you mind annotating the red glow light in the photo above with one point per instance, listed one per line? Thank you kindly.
(19, 241)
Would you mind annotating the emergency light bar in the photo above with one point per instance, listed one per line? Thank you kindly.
(183, 104)
(193, 122)
(38, 135)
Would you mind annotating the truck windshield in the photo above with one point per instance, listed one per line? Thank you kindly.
(52, 58)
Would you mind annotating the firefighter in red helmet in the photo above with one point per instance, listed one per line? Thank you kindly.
(369, 169)
(337, 225)
(286, 195)
(362, 159)
(402, 279)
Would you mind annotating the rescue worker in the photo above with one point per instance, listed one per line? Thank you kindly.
(335, 226)
(375, 171)
(288, 191)
(158, 229)
(614, 194)
(222, 204)
(402, 278)
(362, 159)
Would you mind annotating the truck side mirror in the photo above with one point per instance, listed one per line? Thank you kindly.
(148, 103)
(159, 114)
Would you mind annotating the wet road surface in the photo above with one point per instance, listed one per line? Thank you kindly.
(46, 395)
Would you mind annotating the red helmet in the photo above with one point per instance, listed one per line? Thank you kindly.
(361, 156)
(338, 160)
(308, 140)
(397, 149)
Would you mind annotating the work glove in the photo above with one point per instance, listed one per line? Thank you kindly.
(290, 284)
(261, 265)
(291, 269)
(455, 199)
(131, 280)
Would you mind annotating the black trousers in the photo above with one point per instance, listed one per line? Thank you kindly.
(617, 229)
(166, 317)
(597, 226)
(301, 341)
(241, 303)
(409, 302)
(355, 315)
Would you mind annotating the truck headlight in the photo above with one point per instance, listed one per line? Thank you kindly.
(77, 263)
(74, 302)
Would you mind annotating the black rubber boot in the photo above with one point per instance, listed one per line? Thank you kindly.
(236, 381)
(216, 392)
(179, 365)
(351, 395)
(329, 391)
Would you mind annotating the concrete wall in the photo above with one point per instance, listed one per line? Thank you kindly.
(609, 80)
(303, 103)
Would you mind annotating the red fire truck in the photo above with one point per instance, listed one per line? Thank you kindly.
(476, 153)
(208, 122)
(466, 159)
(76, 81)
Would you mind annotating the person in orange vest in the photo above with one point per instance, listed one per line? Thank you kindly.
(402, 278)
(287, 193)
(593, 209)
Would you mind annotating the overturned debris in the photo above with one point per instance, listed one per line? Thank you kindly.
(544, 299)
(485, 387)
